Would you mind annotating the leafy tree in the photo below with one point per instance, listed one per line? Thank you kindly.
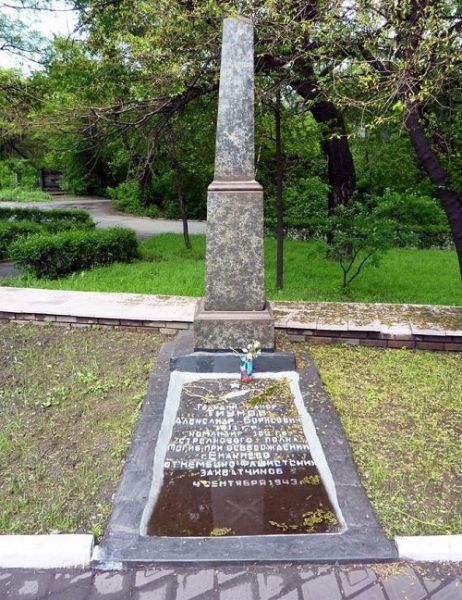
(399, 59)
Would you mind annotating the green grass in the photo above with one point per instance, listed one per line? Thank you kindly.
(23, 195)
(69, 400)
(166, 267)
(402, 413)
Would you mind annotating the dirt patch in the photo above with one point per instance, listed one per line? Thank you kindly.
(69, 402)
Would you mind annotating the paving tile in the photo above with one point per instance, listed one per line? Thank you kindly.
(431, 584)
(404, 585)
(147, 576)
(195, 585)
(308, 572)
(224, 575)
(74, 593)
(325, 586)
(240, 591)
(292, 595)
(372, 593)
(161, 592)
(355, 579)
(452, 591)
(109, 586)
(269, 585)
(27, 586)
(65, 580)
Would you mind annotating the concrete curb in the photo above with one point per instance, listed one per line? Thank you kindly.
(430, 548)
(56, 551)
(60, 551)
(421, 327)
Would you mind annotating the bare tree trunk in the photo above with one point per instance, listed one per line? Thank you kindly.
(171, 150)
(450, 200)
(279, 204)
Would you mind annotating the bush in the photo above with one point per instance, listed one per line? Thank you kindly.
(9, 232)
(56, 255)
(79, 218)
(357, 236)
(421, 221)
(127, 198)
(22, 195)
(17, 172)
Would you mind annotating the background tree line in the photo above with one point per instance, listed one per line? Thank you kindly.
(364, 98)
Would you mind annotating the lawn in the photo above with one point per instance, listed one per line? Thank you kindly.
(402, 412)
(166, 267)
(23, 195)
(70, 399)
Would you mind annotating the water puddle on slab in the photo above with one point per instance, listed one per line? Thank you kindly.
(238, 462)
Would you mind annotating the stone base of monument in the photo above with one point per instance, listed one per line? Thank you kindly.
(223, 472)
(218, 329)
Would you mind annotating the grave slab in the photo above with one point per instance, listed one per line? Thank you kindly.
(169, 405)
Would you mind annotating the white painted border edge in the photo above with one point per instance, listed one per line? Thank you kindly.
(55, 551)
(431, 548)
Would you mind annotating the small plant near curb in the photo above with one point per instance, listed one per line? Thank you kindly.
(221, 531)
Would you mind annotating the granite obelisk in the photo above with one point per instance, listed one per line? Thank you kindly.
(234, 311)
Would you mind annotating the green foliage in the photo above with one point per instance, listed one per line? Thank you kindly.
(56, 255)
(20, 223)
(11, 231)
(127, 198)
(384, 160)
(357, 236)
(17, 173)
(23, 195)
(80, 218)
(405, 275)
(305, 209)
(76, 179)
(420, 221)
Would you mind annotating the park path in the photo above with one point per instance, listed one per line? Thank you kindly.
(396, 581)
(105, 216)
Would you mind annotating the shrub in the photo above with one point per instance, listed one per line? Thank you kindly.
(357, 236)
(127, 198)
(17, 172)
(79, 218)
(420, 220)
(9, 232)
(22, 195)
(56, 255)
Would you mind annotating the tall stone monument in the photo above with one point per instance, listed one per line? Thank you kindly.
(234, 311)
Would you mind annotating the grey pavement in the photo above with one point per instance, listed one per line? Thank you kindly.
(105, 216)
(395, 581)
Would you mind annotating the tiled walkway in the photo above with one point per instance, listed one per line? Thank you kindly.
(317, 318)
(399, 581)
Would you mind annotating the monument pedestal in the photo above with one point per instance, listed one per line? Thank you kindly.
(220, 329)
(234, 312)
